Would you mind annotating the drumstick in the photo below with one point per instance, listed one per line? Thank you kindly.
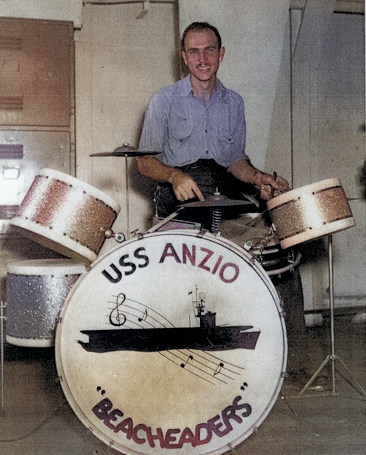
(274, 175)
(164, 221)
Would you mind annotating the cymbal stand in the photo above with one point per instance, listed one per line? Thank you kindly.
(127, 196)
(2, 318)
(332, 357)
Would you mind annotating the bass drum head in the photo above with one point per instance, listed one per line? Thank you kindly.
(173, 341)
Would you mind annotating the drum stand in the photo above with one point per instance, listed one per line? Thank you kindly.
(2, 318)
(332, 357)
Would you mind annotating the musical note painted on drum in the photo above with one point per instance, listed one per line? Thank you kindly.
(116, 317)
(183, 365)
(143, 317)
(218, 368)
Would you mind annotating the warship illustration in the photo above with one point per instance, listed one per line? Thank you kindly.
(206, 337)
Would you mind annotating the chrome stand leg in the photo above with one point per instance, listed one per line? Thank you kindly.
(2, 306)
(332, 357)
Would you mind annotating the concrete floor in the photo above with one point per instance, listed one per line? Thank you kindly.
(36, 418)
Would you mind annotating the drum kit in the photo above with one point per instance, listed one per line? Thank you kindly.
(159, 342)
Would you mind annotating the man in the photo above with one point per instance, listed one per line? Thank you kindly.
(199, 126)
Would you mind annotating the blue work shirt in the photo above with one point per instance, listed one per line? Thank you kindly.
(186, 129)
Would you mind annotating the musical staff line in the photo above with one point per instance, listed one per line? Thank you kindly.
(178, 363)
(151, 314)
(207, 357)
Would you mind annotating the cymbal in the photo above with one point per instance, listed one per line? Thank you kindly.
(126, 151)
(216, 201)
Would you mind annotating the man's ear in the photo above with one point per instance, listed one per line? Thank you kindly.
(222, 53)
(184, 57)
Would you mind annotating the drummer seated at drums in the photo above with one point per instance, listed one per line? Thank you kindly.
(199, 127)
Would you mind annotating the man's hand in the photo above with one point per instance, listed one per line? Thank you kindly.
(270, 185)
(184, 186)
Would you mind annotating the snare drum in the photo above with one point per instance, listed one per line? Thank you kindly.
(310, 212)
(35, 293)
(66, 215)
(275, 261)
(262, 242)
(173, 341)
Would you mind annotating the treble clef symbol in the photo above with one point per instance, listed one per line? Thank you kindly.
(116, 317)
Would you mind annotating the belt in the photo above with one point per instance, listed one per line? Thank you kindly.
(202, 163)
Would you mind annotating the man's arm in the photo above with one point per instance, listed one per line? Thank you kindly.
(267, 184)
(184, 187)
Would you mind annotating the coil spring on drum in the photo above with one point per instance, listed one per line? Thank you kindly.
(216, 221)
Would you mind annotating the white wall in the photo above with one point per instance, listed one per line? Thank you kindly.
(120, 62)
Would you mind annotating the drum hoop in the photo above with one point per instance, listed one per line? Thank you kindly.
(29, 342)
(45, 267)
(320, 231)
(75, 182)
(287, 268)
(298, 192)
(68, 247)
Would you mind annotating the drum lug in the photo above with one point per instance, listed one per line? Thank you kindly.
(136, 233)
(248, 245)
(291, 257)
(119, 236)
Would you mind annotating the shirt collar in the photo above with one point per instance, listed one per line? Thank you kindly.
(186, 87)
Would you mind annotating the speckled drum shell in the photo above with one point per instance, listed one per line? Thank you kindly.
(310, 212)
(66, 215)
(35, 293)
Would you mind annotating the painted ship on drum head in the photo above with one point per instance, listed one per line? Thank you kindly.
(207, 336)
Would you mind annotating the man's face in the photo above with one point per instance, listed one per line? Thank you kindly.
(201, 54)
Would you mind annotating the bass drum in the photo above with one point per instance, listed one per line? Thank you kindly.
(174, 340)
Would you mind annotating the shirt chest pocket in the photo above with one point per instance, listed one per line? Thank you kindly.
(180, 129)
(225, 141)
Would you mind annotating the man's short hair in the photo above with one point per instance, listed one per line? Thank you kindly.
(201, 26)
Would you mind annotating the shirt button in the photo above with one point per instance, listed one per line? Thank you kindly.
(206, 152)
